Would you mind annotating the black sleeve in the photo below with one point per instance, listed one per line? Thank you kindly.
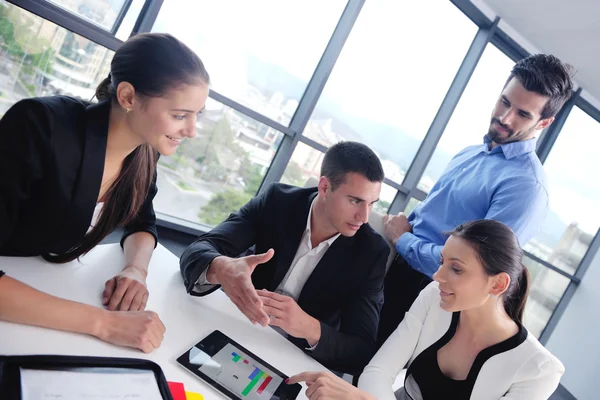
(351, 347)
(145, 221)
(1, 274)
(230, 238)
(22, 133)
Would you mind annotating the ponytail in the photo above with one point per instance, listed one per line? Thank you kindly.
(515, 303)
(104, 89)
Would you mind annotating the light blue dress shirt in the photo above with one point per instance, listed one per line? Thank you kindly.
(507, 184)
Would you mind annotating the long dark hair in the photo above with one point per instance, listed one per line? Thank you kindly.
(153, 63)
(498, 250)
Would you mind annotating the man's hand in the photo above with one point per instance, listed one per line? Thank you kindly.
(234, 275)
(285, 313)
(395, 226)
(126, 291)
(326, 386)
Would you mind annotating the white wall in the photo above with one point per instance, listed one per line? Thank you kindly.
(576, 339)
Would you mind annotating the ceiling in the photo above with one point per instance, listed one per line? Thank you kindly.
(568, 29)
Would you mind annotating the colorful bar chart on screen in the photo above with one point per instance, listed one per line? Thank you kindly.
(255, 377)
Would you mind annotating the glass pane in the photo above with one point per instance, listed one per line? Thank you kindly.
(412, 204)
(305, 164)
(100, 12)
(260, 53)
(391, 78)
(472, 116)
(545, 291)
(219, 170)
(39, 58)
(385, 199)
(130, 19)
(573, 218)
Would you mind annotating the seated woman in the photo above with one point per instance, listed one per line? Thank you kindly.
(71, 172)
(463, 337)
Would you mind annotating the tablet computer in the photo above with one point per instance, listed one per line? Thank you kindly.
(235, 371)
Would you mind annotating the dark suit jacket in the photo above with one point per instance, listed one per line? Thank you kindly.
(52, 152)
(344, 292)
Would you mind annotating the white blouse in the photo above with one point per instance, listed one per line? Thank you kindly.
(526, 372)
(95, 216)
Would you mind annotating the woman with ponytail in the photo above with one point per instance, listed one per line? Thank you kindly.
(463, 338)
(73, 171)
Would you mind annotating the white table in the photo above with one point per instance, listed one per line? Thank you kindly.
(188, 319)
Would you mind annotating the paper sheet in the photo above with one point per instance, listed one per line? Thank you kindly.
(89, 384)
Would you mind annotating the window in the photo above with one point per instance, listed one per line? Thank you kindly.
(100, 12)
(259, 53)
(545, 291)
(385, 199)
(305, 164)
(40, 58)
(219, 170)
(412, 204)
(573, 218)
(391, 78)
(471, 118)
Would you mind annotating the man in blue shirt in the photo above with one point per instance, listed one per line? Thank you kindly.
(501, 179)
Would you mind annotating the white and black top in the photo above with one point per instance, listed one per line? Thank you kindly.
(519, 368)
(432, 382)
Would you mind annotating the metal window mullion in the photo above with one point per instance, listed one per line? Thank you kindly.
(549, 138)
(69, 21)
(508, 46)
(472, 12)
(121, 16)
(313, 92)
(558, 312)
(147, 17)
(310, 142)
(588, 108)
(436, 129)
(551, 267)
(250, 112)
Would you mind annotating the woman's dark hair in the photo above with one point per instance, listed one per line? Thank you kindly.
(498, 250)
(153, 63)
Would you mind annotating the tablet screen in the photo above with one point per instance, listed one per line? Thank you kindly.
(235, 371)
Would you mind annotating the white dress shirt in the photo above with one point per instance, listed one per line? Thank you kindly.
(306, 259)
(302, 266)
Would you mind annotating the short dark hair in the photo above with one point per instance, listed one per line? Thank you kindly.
(545, 74)
(346, 157)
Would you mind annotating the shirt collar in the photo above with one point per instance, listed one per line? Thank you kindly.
(514, 149)
(307, 230)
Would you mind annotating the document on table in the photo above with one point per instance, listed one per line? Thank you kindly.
(89, 384)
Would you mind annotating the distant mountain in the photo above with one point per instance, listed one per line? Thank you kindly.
(392, 143)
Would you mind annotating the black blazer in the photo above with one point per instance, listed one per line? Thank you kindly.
(52, 153)
(344, 292)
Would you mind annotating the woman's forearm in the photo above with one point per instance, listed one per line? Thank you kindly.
(138, 248)
(23, 304)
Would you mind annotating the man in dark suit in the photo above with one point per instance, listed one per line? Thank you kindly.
(319, 267)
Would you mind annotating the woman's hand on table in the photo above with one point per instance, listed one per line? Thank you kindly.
(126, 291)
(139, 329)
